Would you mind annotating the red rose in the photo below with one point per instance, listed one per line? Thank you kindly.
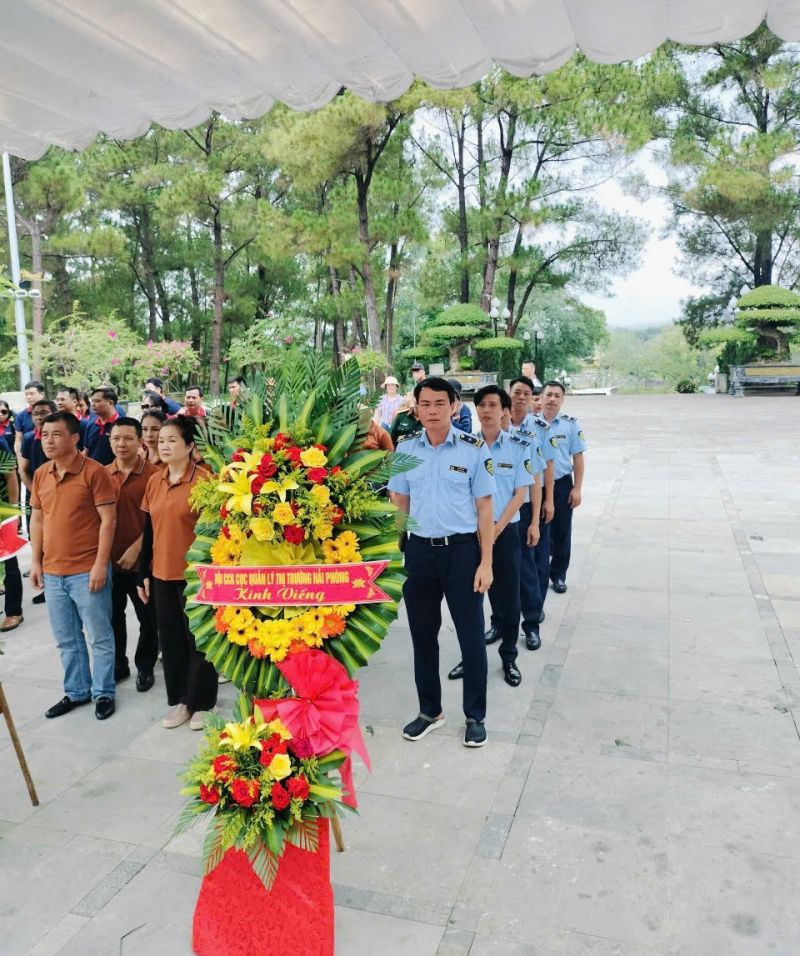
(267, 467)
(301, 748)
(238, 455)
(294, 534)
(257, 484)
(293, 454)
(245, 792)
(224, 767)
(321, 447)
(317, 475)
(275, 745)
(337, 515)
(223, 512)
(335, 470)
(298, 787)
(280, 797)
(281, 441)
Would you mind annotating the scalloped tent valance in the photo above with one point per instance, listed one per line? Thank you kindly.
(70, 69)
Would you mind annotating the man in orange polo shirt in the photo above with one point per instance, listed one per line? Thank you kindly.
(130, 473)
(72, 526)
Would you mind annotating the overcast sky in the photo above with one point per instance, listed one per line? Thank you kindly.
(652, 294)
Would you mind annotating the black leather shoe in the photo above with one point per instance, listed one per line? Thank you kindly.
(512, 674)
(532, 640)
(64, 706)
(559, 586)
(104, 708)
(491, 636)
(457, 672)
(144, 681)
(121, 672)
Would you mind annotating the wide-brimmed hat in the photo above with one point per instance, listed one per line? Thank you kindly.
(390, 380)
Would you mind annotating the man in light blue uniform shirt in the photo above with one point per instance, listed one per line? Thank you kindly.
(568, 439)
(538, 513)
(448, 497)
(513, 475)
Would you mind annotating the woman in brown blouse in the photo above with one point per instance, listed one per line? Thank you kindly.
(190, 680)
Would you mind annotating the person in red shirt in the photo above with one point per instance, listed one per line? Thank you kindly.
(97, 436)
(193, 403)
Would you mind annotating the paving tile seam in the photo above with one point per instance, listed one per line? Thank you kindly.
(789, 678)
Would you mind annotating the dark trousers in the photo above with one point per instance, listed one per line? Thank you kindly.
(561, 530)
(530, 592)
(504, 594)
(13, 586)
(188, 676)
(123, 586)
(449, 572)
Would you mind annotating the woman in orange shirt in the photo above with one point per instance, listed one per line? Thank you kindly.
(190, 680)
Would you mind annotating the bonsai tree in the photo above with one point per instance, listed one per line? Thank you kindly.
(773, 315)
(455, 329)
(501, 355)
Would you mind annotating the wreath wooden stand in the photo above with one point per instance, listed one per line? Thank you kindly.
(5, 710)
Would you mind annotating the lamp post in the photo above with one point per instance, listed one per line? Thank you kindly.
(538, 338)
(13, 248)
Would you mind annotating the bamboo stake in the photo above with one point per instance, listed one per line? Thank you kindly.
(338, 839)
(5, 710)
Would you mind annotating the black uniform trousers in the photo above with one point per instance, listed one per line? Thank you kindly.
(561, 529)
(541, 556)
(123, 586)
(13, 586)
(530, 592)
(449, 572)
(188, 676)
(504, 594)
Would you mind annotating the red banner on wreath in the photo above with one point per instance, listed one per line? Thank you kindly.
(291, 584)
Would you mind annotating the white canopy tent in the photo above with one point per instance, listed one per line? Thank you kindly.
(70, 69)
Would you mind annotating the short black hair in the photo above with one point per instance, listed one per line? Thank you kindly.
(108, 393)
(236, 378)
(154, 413)
(45, 401)
(537, 390)
(436, 384)
(195, 388)
(502, 394)
(154, 381)
(555, 384)
(84, 397)
(72, 392)
(133, 423)
(71, 422)
(186, 426)
(524, 380)
(36, 385)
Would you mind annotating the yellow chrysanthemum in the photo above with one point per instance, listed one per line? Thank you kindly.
(313, 458)
(224, 551)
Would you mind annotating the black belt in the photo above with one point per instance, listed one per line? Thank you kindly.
(450, 539)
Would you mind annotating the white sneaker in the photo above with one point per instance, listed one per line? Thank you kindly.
(176, 716)
(198, 719)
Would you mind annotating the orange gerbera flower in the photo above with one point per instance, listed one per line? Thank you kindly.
(257, 649)
(332, 625)
(220, 625)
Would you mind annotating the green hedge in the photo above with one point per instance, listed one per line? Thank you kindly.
(501, 355)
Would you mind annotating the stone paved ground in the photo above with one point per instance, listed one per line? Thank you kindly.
(641, 791)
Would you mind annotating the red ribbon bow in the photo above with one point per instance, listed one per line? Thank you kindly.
(324, 710)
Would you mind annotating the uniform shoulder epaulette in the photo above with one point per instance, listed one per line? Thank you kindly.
(541, 422)
(570, 418)
(407, 436)
(471, 440)
(519, 440)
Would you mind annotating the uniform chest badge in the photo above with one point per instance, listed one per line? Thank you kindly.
(505, 464)
(528, 466)
(459, 468)
(554, 442)
(489, 465)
